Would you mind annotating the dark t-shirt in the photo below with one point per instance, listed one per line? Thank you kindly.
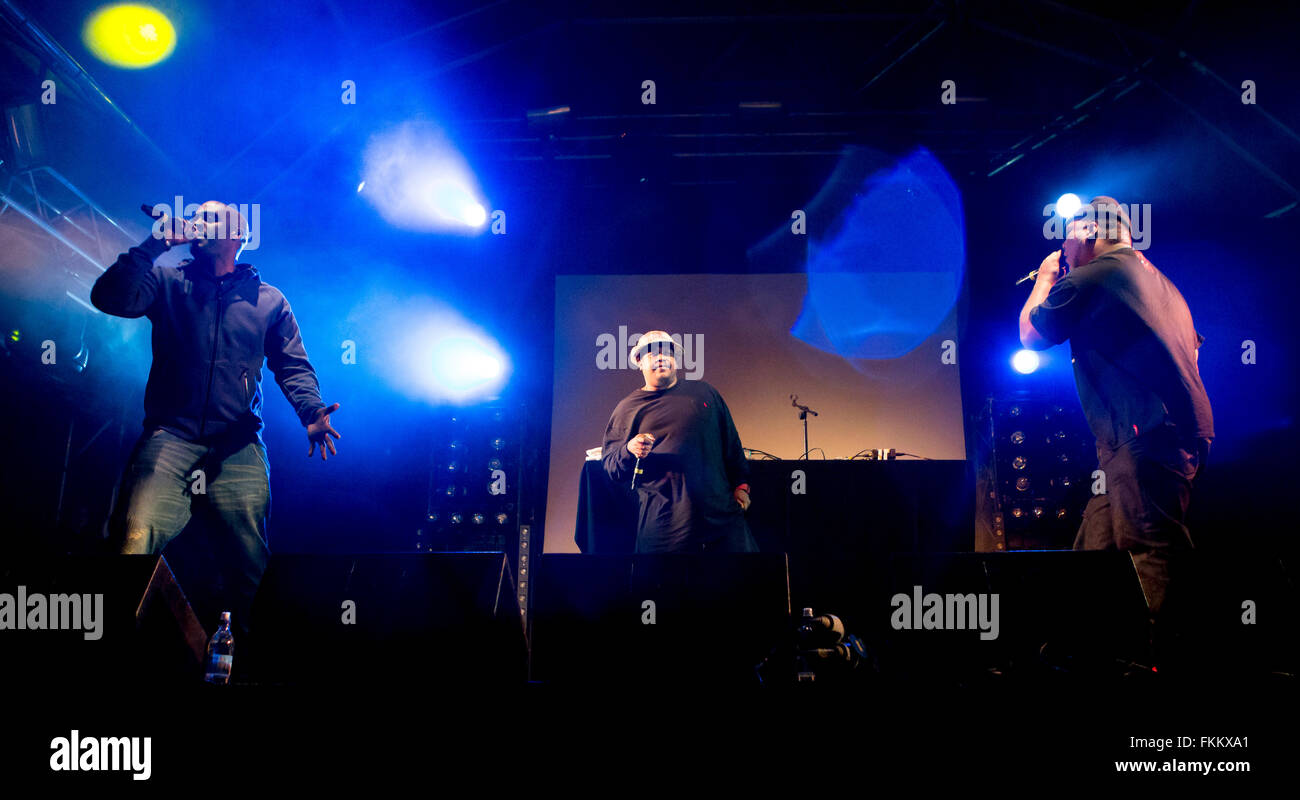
(1133, 346)
(685, 492)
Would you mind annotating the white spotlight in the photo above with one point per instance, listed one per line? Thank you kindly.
(1025, 361)
(1067, 204)
(417, 180)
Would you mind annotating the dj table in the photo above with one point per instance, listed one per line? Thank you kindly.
(846, 506)
(840, 535)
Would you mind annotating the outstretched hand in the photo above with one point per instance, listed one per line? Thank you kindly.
(320, 431)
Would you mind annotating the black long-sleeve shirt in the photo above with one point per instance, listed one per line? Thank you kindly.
(210, 338)
(685, 493)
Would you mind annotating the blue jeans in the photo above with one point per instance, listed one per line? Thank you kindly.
(169, 479)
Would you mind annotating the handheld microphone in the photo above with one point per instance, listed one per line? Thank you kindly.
(1065, 267)
(636, 470)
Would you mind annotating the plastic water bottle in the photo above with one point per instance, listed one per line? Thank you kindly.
(221, 653)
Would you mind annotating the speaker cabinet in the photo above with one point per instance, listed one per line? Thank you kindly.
(645, 620)
(92, 621)
(1242, 612)
(384, 620)
(1085, 606)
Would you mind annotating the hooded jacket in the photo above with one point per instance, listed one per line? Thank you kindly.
(210, 339)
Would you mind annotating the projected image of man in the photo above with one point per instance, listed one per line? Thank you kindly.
(692, 485)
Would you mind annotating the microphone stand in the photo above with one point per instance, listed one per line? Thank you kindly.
(804, 411)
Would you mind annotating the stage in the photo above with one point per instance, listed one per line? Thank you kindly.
(462, 391)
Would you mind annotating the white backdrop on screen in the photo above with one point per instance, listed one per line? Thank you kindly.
(739, 327)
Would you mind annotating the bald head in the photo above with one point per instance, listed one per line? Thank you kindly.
(220, 232)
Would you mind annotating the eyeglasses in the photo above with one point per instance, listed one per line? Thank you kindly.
(658, 349)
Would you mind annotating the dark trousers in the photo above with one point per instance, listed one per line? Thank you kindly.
(737, 539)
(227, 486)
(1143, 512)
(731, 538)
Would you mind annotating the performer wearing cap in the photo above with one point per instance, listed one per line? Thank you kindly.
(1134, 350)
(675, 443)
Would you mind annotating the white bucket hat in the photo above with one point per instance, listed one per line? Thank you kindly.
(647, 339)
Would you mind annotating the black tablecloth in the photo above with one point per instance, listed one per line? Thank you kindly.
(606, 523)
(847, 506)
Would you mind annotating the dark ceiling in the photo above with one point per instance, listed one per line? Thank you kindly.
(254, 89)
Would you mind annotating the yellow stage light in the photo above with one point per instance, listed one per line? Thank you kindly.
(130, 36)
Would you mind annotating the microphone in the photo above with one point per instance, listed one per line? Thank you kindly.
(177, 231)
(794, 401)
(1065, 267)
(636, 470)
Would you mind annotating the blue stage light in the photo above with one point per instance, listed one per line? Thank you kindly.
(417, 180)
(462, 363)
(429, 351)
(454, 203)
(474, 214)
(1067, 204)
(1025, 361)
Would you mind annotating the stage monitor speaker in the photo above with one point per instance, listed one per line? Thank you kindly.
(385, 621)
(1087, 607)
(96, 621)
(645, 620)
(1243, 612)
